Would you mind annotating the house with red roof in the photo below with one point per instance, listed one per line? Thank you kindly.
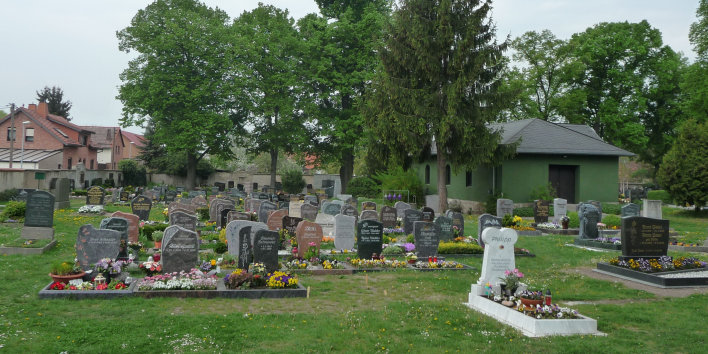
(134, 144)
(37, 139)
(110, 144)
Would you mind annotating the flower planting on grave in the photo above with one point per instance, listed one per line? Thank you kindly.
(436, 263)
(150, 267)
(80, 285)
(193, 280)
(377, 263)
(661, 264)
(91, 209)
(257, 278)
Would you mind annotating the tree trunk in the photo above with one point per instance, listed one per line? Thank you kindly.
(346, 171)
(442, 178)
(273, 167)
(191, 171)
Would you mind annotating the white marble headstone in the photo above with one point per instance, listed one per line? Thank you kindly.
(498, 254)
(326, 221)
(295, 209)
(560, 209)
(652, 209)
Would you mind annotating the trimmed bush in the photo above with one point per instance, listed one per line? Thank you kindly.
(522, 212)
(15, 210)
(79, 192)
(459, 248)
(363, 187)
(203, 214)
(221, 248)
(8, 194)
(149, 229)
(293, 182)
(611, 220)
(614, 209)
(660, 195)
(574, 221)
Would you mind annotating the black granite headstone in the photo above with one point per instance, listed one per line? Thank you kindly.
(445, 225)
(141, 206)
(644, 237)
(427, 238)
(180, 250)
(245, 256)
(93, 245)
(427, 214)
(290, 224)
(541, 210)
(484, 221)
(457, 220)
(265, 249)
(589, 217)
(388, 216)
(39, 210)
(410, 216)
(369, 238)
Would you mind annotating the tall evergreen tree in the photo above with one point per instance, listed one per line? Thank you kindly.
(438, 83)
(54, 97)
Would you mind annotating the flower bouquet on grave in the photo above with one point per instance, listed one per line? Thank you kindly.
(110, 268)
(150, 267)
(511, 280)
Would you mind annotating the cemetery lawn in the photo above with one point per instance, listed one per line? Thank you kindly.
(397, 311)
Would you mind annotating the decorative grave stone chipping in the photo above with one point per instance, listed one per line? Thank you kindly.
(275, 219)
(630, 209)
(368, 215)
(39, 216)
(400, 208)
(308, 212)
(644, 237)
(560, 209)
(388, 216)
(457, 220)
(344, 231)
(307, 232)
(368, 206)
(141, 206)
(95, 196)
(348, 210)
(652, 209)
(505, 206)
(427, 214)
(369, 238)
(290, 223)
(445, 225)
(589, 217)
(294, 209)
(121, 225)
(265, 208)
(410, 216)
(427, 238)
(265, 249)
(326, 221)
(541, 210)
(93, 245)
(184, 220)
(180, 250)
(484, 221)
(498, 254)
(232, 232)
(245, 255)
(133, 224)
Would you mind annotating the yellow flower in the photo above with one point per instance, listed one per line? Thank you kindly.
(213, 262)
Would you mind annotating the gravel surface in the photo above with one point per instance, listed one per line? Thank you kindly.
(699, 274)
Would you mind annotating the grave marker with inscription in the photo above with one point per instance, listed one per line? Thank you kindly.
(498, 254)
(93, 245)
(245, 255)
(265, 249)
(410, 216)
(369, 238)
(589, 216)
(388, 216)
(133, 224)
(181, 250)
(630, 209)
(445, 225)
(95, 196)
(306, 233)
(427, 238)
(541, 210)
(457, 220)
(644, 237)
(39, 216)
(484, 221)
(141, 206)
(505, 206)
(368, 215)
(560, 209)
(184, 220)
(308, 212)
(120, 225)
(344, 230)
(427, 214)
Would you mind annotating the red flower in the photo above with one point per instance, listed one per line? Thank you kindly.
(72, 287)
(257, 276)
(120, 286)
(57, 286)
(101, 286)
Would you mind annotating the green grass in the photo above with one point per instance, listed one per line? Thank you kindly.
(398, 311)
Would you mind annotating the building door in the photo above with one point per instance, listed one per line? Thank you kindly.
(562, 178)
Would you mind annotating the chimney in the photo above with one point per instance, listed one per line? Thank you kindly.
(32, 107)
(43, 109)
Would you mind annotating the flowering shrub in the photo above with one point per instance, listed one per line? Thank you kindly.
(661, 264)
(194, 280)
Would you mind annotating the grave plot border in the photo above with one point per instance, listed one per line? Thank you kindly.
(529, 233)
(698, 249)
(464, 267)
(27, 251)
(45, 293)
(597, 244)
(529, 326)
(566, 232)
(222, 291)
(652, 278)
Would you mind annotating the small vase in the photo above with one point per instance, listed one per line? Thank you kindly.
(564, 223)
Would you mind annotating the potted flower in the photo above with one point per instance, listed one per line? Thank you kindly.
(63, 272)
(531, 298)
(512, 280)
(150, 267)
(157, 238)
(565, 220)
(411, 257)
(110, 268)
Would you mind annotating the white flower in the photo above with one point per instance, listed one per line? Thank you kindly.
(560, 315)
(538, 316)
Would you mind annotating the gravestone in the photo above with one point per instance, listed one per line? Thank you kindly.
(141, 206)
(184, 220)
(652, 209)
(290, 223)
(216, 206)
(232, 231)
(124, 197)
(236, 215)
(410, 216)
(39, 216)
(484, 221)
(427, 214)
(95, 196)
(179, 205)
(330, 208)
(265, 249)
(326, 221)
(306, 233)
(312, 199)
(199, 201)
(458, 220)
(596, 204)
(498, 254)
(388, 216)
(368, 206)
(133, 224)
(294, 208)
(589, 217)
(284, 206)
(224, 217)
(348, 210)
(344, 231)
(445, 225)
(61, 193)
(630, 209)
(245, 255)
(256, 205)
(120, 225)
(427, 238)
(170, 196)
(644, 237)
(369, 238)
(541, 210)
(505, 206)
(275, 219)
(308, 212)
(368, 215)
(115, 195)
(180, 250)
(560, 209)
(265, 208)
(93, 245)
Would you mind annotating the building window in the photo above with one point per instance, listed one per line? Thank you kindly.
(447, 174)
(468, 179)
(427, 174)
(11, 134)
(84, 140)
(68, 164)
(29, 134)
(59, 167)
(92, 164)
(117, 149)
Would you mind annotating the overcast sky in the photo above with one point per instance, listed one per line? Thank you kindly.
(72, 43)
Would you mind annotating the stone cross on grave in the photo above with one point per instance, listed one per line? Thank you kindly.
(498, 254)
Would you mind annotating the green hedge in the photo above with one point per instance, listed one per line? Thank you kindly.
(79, 192)
(148, 229)
(660, 195)
(611, 220)
(363, 187)
(574, 221)
(14, 210)
(459, 248)
(8, 194)
(614, 209)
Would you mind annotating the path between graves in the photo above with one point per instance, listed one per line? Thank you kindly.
(660, 292)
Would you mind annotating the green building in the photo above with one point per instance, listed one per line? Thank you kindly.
(573, 158)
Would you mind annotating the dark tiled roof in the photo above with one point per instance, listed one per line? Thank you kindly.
(541, 137)
(138, 139)
(103, 137)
